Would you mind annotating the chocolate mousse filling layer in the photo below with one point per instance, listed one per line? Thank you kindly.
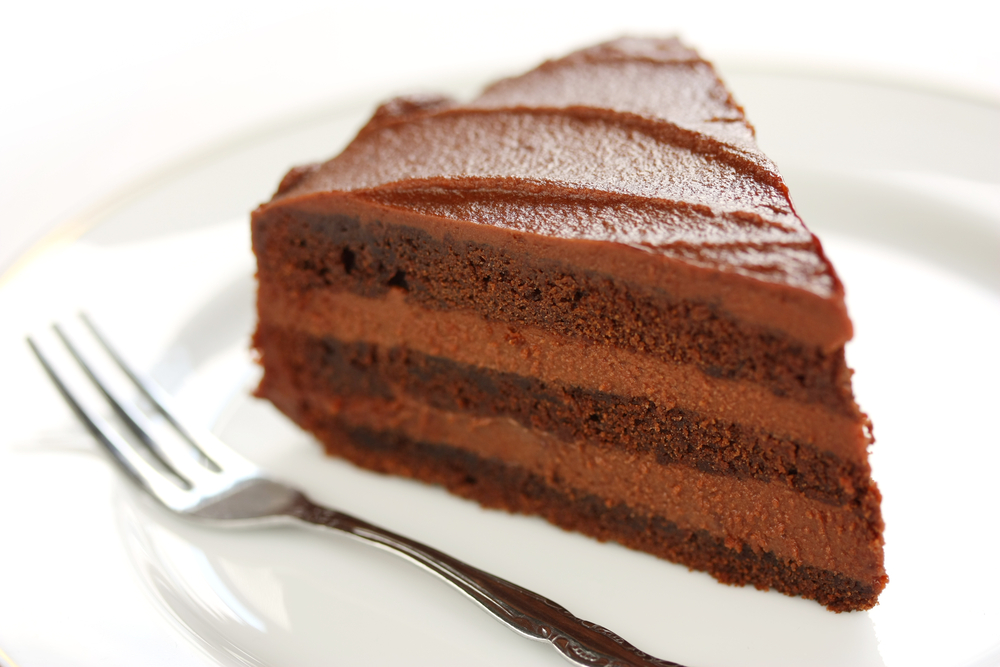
(391, 321)
(302, 252)
(673, 435)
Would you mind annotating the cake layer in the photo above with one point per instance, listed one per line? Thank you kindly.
(818, 320)
(495, 485)
(329, 367)
(302, 252)
(756, 522)
(391, 321)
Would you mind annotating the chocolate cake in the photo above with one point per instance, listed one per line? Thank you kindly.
(584, 295)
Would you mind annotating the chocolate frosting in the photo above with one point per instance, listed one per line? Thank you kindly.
(635, 142)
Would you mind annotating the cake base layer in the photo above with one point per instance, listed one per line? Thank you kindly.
(497, 485)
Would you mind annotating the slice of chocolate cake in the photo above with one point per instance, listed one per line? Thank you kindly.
(584, 295)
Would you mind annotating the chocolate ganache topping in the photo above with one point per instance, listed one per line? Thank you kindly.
(578, 150)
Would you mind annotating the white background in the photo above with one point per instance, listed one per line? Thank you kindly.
(95, 95)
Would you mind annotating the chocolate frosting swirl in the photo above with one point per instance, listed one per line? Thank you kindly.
(635, 142)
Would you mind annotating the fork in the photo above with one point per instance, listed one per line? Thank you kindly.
(198, 476)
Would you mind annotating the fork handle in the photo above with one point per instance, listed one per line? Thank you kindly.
(525, 612)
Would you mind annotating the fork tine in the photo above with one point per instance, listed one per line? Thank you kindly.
(219, 454)
(125, 454)
(169, 452)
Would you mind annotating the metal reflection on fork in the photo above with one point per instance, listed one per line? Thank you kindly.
(193, 473)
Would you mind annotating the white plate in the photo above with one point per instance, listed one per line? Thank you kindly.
(902, 185)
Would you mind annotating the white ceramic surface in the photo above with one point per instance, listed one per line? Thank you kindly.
(901, 185)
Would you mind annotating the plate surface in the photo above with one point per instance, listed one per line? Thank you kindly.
(903, 187)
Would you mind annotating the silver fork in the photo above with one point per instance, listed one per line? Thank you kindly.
(212, 482)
